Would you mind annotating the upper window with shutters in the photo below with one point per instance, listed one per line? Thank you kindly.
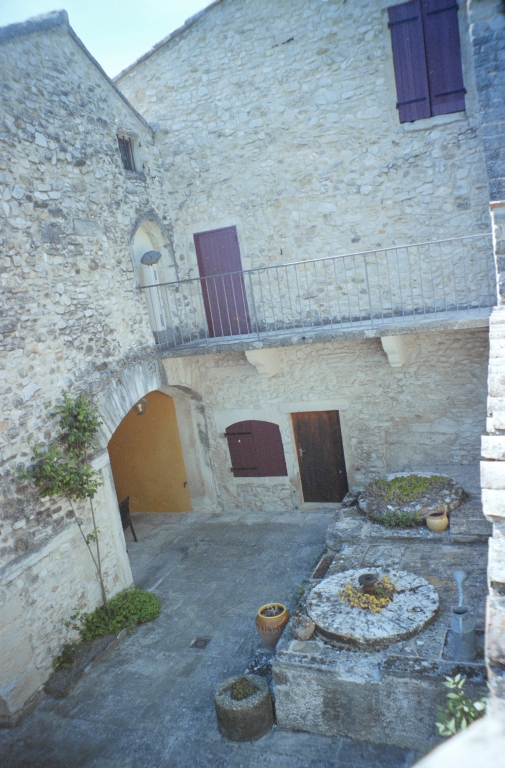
(427, 59)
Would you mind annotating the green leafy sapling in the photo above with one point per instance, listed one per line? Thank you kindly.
(63, 469)
(460, 710)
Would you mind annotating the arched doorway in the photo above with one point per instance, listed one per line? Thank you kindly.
(147, 460)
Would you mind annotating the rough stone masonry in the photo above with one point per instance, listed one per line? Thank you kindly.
(280, 119)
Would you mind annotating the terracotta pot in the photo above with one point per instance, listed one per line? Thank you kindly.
(437, 521)
(270, 628)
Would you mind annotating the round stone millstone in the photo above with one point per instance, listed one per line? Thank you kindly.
(413, 606)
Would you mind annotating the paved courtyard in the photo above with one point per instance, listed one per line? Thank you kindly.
(149, 704)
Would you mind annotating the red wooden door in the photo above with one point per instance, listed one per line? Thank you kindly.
(320, 452)
(224, 295)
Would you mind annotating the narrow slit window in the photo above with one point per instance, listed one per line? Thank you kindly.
(126, 150)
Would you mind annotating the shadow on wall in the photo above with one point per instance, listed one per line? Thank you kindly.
(146, 458)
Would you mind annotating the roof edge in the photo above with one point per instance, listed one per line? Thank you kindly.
(176, 33)
(35, 24)
(60, 19)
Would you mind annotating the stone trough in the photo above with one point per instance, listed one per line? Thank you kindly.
(378, 677)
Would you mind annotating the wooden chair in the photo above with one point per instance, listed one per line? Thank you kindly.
(124, 511)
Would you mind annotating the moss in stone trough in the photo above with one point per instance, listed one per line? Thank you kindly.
(401, 520)
(127, 609)
(242, 689)
(405, 500)
(404, 489)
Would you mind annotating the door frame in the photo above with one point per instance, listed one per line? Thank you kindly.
(339, 404)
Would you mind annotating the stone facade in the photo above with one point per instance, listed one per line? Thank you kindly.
(71, 317)
(278, 118)
(426, 415)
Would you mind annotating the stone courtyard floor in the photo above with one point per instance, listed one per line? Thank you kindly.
(149, 704)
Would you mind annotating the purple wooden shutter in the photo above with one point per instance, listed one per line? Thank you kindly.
(406, 26)
(244, 461)
(256, 449)
(443, 56)
(269, 449)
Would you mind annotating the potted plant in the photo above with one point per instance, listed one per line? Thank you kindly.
(270, 622)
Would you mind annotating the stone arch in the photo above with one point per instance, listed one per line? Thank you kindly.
(127, 388)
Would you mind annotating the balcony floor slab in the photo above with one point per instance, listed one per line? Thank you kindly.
(432, 323)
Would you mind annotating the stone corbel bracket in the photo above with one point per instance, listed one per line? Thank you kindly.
(395, 348)
(265, 361)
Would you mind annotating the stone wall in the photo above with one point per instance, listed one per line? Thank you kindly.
(426, 415)
(279, 118)
(488, 37)
(71, 317)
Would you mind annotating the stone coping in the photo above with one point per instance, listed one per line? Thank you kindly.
(361, 666)
(413, 606)
(466, 525)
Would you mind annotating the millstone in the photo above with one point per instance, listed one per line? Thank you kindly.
(413, 606)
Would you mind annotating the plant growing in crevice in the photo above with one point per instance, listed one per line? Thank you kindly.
(64, 468)
(460, 710)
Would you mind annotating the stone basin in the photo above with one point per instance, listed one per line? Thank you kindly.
(413, 606)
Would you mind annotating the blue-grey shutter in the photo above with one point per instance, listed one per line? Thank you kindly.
(406, 27)
(443, 56)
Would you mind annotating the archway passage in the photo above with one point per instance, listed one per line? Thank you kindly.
(146, 458)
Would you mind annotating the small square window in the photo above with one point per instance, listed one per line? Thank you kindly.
(126, 150)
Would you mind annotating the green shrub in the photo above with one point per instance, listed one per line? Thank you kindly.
(460, 711)
(127, 609)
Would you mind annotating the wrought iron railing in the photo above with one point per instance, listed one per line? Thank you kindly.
(413, 283)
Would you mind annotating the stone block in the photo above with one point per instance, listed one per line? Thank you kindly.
(395, 348)
(493, 504)
(493, 447)
(492, 475)
(495, 630)
(19, 678)
(496, 564)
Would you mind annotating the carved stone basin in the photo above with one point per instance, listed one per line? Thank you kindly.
(413, 606)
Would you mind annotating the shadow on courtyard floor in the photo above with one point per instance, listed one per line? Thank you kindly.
(149, 704)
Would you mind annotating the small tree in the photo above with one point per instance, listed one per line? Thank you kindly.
(63, 469)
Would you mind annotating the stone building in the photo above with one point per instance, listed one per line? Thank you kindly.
(276, 141)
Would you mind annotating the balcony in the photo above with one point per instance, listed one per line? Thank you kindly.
(436, 285)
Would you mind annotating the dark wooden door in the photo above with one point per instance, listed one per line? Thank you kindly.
(224, 295)
(320, 455)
